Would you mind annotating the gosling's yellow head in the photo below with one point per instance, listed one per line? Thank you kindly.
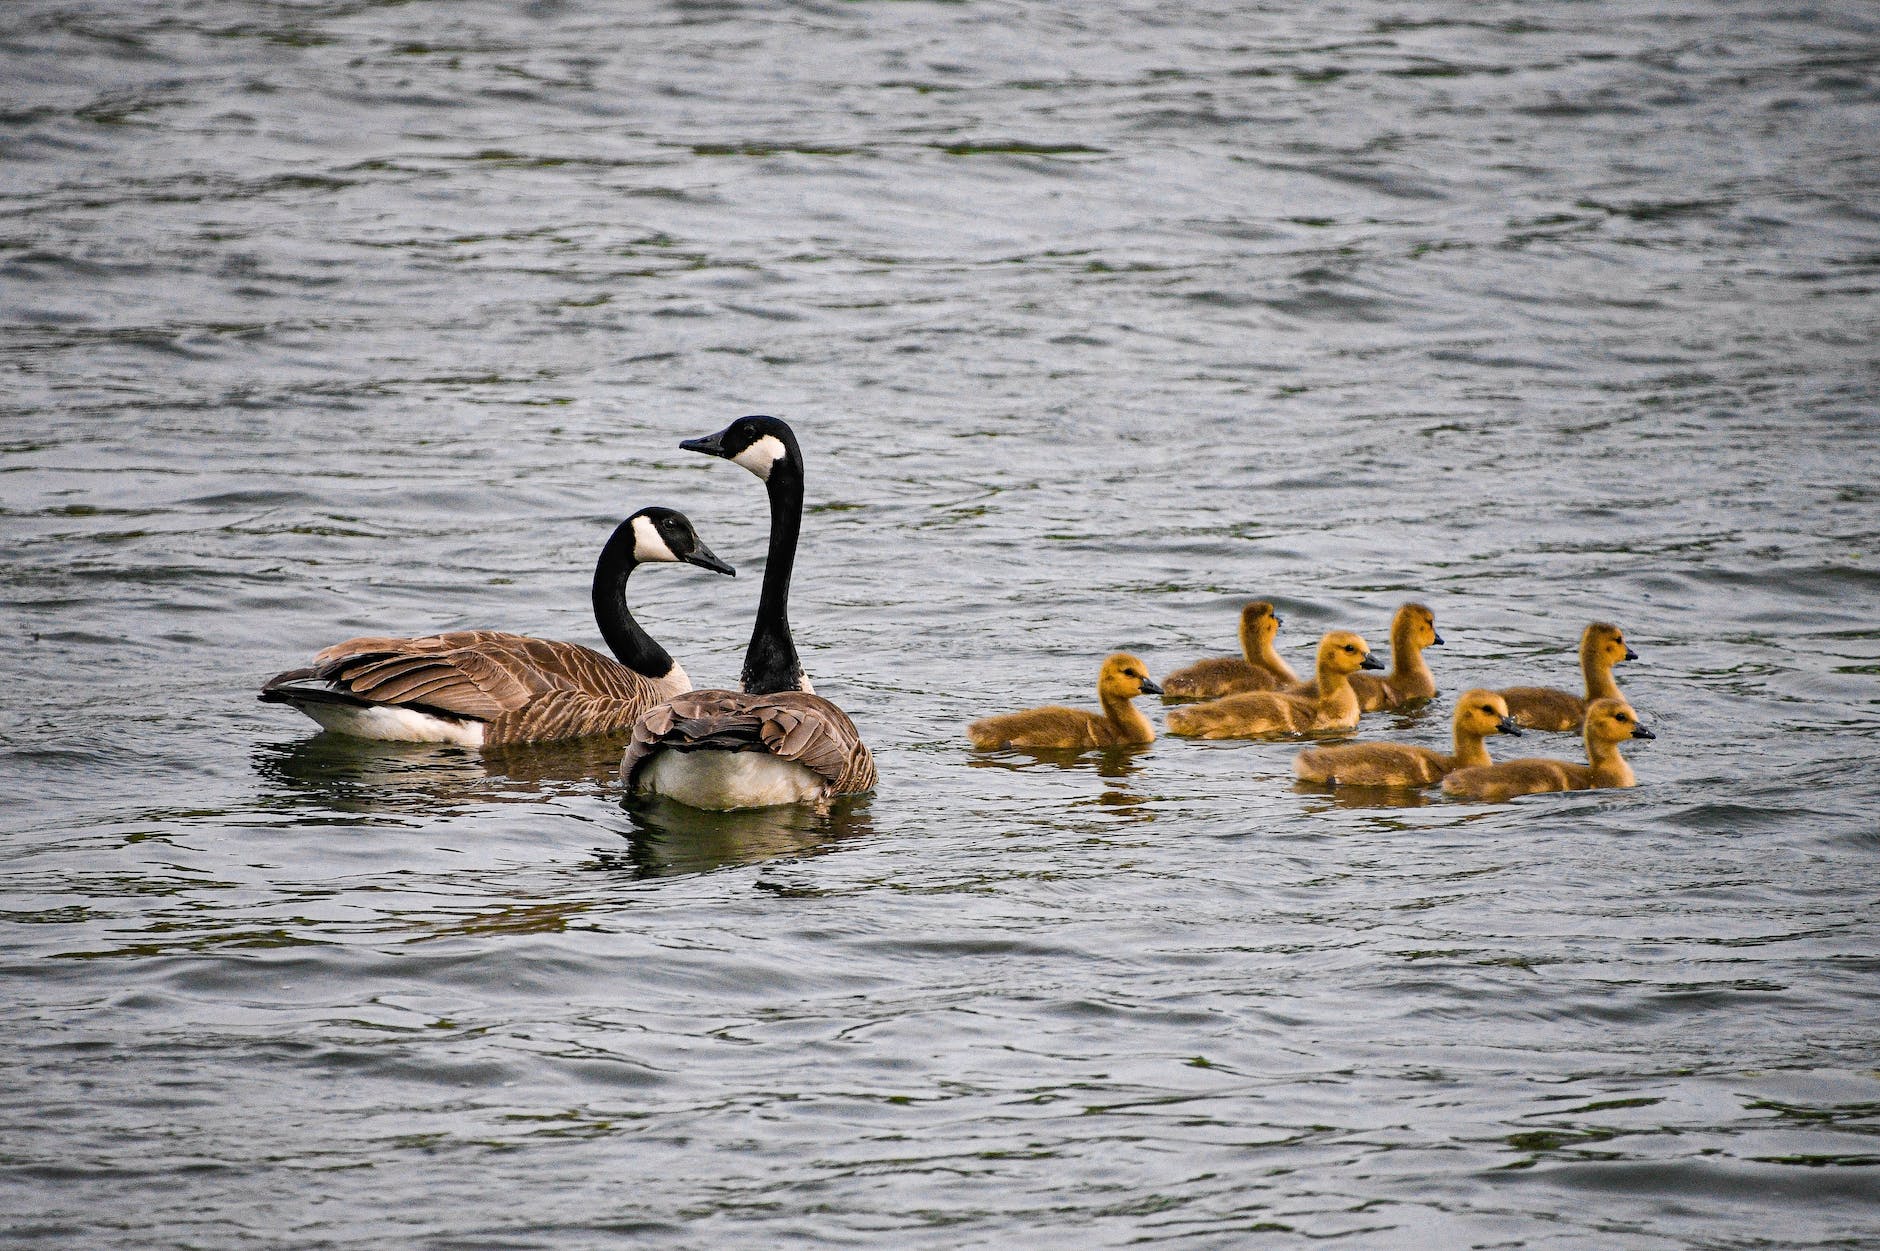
(1484, 713)
(1259, 619)
(1613, 721)
(1414, 626)
(1126, 677)
(1606, 643)
(1345, 652)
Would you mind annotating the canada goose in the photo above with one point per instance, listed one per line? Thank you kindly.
(1609, 722)
(486, 688)
(1412, 629)
(774, 742)
(1478, 715)
(1602, 646)
(1121, 679)
(1332, 706)
(1260, 670)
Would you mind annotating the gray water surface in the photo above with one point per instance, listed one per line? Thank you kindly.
(1095, 321)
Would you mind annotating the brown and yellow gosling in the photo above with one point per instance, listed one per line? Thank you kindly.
(1478, 715)
(1602, 646)
(1260, 670)
(1122, 678)
(1609, 722)
(1332, 705)
(1411, 630)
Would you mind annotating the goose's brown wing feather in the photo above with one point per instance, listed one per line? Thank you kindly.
(485, 674)
(791, 725)
(563, 715)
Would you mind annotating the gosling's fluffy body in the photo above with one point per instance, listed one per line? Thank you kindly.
(1120, 724)
(1332, 705)
(1602, 645)
(1478, 715)
(1258, 668)
(1609, 722)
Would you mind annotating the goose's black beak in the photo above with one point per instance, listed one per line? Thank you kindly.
(711, 444)
(1436, 639)
(1150, 688)
(1639, 731)
(1371, 662)
(703, 558)
(1278, 620)
(1507, 726)
(1630, 654)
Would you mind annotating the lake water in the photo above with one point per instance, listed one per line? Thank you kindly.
(1095, 321)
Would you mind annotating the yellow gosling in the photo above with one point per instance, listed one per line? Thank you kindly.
(1602, 646)
(1478, 715)
(1609, 722)
(1260, 670)
(1412, 629)
(1332, 705)
(1122, 678)
(1409, 679)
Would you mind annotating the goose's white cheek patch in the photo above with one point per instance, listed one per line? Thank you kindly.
(761, 455)
(647, 545)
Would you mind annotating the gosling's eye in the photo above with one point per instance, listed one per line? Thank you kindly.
(1350, 648)
(1621, 717)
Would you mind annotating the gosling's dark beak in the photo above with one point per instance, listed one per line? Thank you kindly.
(1436, 639)
(1278, 620)
(711, 444)
(1507, 726)
(1150, 688)
(1371, 662)
(1630, 654)
(1639, 731)
(703, 558)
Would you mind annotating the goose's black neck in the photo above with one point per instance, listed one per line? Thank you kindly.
(631, 646)
(770, 662)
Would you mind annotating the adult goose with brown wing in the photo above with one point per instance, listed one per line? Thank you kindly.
(775, 741)
(488, 688)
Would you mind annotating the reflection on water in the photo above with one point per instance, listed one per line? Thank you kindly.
(360, 777)
(1111, 764)
(670, 838)
(1107, 762)
(1363, 796)
(354, 775)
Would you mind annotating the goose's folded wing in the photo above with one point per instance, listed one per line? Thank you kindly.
(469, 673)
(563, 715)
(791, 725)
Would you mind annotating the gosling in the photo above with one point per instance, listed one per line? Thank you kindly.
(1602, 646)
(1261, 670)
(1478, 715)
(1609, 722)
(1333, 705)
(1122, 678)
(1412, 629)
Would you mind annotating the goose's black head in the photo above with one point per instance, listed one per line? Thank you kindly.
(759, 444)
(663, 534)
